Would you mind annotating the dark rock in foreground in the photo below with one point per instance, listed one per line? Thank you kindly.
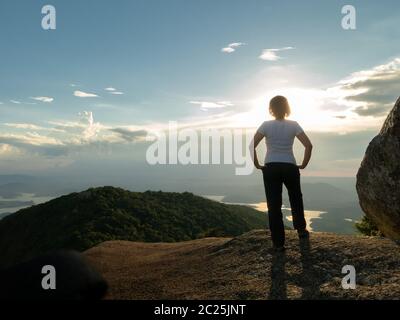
(72, 279)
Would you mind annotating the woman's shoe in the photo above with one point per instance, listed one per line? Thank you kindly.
(303, 234)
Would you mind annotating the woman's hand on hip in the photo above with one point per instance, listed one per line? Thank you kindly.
(258, 166)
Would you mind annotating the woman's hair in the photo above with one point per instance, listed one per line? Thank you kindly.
(279, 107)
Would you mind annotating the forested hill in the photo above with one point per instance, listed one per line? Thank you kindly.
(82, 220)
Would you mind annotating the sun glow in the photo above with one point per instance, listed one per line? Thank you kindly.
(306, 107)
(315, 110)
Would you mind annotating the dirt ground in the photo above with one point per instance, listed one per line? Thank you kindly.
(245, 267)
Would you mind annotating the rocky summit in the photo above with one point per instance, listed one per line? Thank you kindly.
(245, 267)
(378, 179)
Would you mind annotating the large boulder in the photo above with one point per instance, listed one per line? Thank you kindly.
(378, 179)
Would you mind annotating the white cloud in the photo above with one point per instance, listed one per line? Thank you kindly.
(7, 150)
(336, 107)
(15, 101)
(206, 105)
(28, 138)
(113, 91)
(227, 50)
(28, 126)
(43, 99)
(232, 47)
(82, 94)
(236, 44)
(272, 54)
(92, 128)
(65, 138)
(370, 92)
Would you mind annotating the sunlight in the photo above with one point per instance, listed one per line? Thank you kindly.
(306, 106)
(315, 110)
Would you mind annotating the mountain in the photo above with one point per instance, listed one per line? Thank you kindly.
(5, 214)
(82, 220)
(244, 267)
(341, 210)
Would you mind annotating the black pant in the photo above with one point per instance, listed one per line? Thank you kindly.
(275, 174)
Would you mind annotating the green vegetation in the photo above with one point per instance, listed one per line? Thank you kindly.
(82, 220)
(367, 227)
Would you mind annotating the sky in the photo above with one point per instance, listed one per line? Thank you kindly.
(83, 97)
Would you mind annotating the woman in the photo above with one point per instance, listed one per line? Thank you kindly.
(281, 168)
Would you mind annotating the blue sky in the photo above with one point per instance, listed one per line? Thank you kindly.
(165, 60)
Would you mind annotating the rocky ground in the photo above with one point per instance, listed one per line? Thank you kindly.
(246, 268)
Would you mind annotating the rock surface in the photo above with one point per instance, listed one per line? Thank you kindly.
(246, 268)
(378, 179)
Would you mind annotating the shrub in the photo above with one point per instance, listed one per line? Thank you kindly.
(367, 227)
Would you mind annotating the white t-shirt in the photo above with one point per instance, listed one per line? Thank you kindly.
(279, 138)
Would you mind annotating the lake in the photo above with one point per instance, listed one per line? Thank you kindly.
(309, 215)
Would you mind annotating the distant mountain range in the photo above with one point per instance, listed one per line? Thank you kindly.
(334, 195)
(82, 220)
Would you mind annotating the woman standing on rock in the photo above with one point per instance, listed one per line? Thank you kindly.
(281, 168)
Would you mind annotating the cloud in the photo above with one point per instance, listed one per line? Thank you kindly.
(232, 47)
(28, 139)
(15, 101)
(206, 105)
(112, 90)
(67, 138)
(370, 92)
(130, 135)
(34, 143)
(43, 99)
(92, 128)
(82, 94)
(27, 126)
(272, 54)
(8, 150)
(340, 107)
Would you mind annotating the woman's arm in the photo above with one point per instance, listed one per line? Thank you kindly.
(254, 143)
(308, 148)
